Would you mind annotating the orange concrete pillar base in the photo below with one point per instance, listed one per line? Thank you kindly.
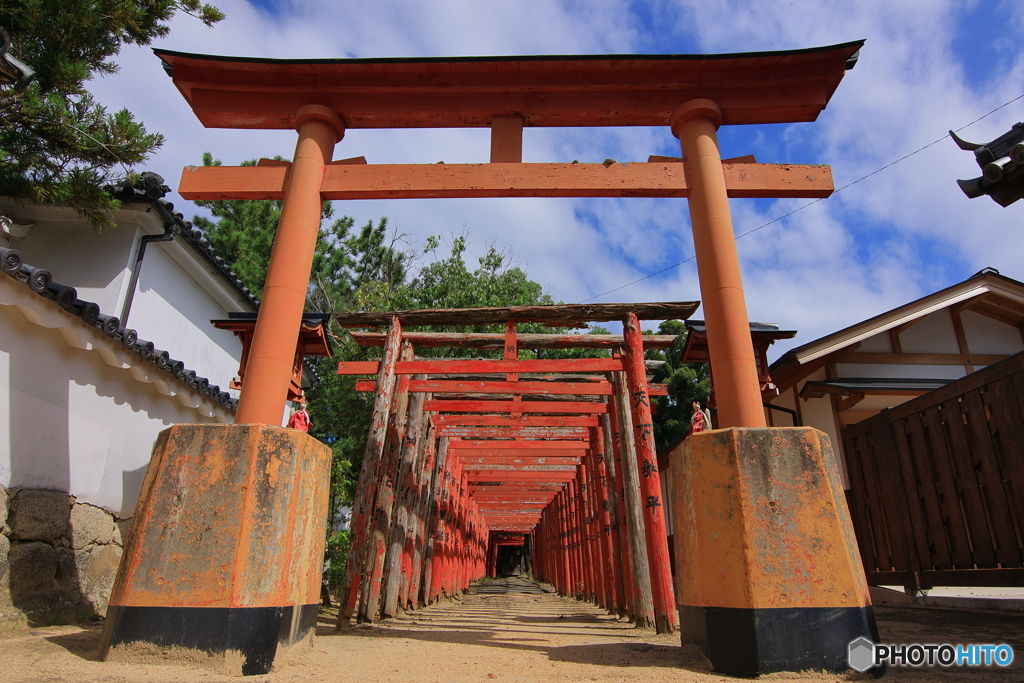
(769, 577)
(222, 565)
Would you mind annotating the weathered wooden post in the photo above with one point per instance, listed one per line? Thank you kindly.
(539, 549)
(594, 531)
(622, 419)
(620, 546)
(417, 543)
(366, 488)
(563, 543)
(575, 547)
(593, 554)
(650, 481)
(441, 545)
(592, 561)
(435, 524)
(401, 532)
(611, 567)
(387, 475)
(462, 545)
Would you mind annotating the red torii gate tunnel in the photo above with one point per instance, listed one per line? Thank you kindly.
(226, 543)
(456, 453)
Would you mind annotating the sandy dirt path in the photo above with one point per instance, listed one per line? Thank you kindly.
(520, 635)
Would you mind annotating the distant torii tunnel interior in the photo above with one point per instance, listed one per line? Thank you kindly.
(468, 458)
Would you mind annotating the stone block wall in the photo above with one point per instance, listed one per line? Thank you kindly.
(58, 558)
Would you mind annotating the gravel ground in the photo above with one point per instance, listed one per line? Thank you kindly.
(506, 631)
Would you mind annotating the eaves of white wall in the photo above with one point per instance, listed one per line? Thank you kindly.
(211, 279)
(79, 335)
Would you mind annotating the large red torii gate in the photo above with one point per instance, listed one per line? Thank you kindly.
(692, 95)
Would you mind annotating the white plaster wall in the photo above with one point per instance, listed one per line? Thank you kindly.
(850, 370)
(779, 418)
(174, 312)
(879, 343)
(96, 264)
(817, 413)
(931, 334)
(170, 308)
(72, 422)
(985, 335)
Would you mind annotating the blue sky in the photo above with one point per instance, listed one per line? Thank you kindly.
(928, 66)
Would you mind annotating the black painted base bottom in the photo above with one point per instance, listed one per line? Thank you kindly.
(752, 642)
(249, 637)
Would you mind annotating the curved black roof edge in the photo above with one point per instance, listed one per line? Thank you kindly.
(151, 189)
(314, 318)
(524, 58)
(41, 282)
(701, 326)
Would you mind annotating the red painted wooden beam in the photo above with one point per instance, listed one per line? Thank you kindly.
(482, 387)
(549, 90)
(486, 340)
(516, 468)
(489, 501)
(507, 421)
(547, 477)
(518, 459)
(483, 367)
(553, 407)
(456, 432)
(428, 181)
(518, 388)
(503, 444)
(519, 488)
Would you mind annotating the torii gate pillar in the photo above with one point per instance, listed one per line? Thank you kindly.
(272, 354)
(750, 501)
(718, 267)
(238, 582)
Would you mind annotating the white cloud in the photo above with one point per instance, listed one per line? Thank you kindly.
(899, 234)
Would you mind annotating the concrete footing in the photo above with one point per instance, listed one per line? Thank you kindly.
(223, 563)
(768, 575)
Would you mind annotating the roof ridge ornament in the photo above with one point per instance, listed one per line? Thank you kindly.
(1002, 165)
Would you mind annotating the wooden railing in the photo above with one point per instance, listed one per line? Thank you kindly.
(937, 484)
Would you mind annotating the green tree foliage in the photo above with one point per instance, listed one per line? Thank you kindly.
(449, 283)
(687, 383)
(243, 233)
(57, 144)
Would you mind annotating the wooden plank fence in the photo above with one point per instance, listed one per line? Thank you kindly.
(937, 484)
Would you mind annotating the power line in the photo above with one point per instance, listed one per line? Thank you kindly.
(811, 203)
